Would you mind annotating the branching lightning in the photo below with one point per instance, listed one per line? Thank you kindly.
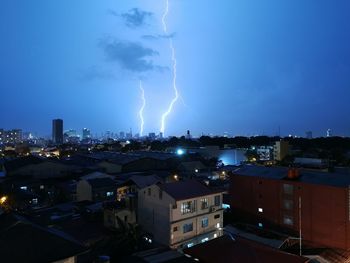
(174, 62)
(142, 121)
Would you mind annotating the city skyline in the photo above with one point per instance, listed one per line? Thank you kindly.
(288, 69)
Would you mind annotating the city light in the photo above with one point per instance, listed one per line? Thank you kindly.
(180, 152)
(3, 200)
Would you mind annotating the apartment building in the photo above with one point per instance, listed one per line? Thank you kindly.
(180, 214)
(312, 203)
(280, 150)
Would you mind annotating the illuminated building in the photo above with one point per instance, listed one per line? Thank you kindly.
(10, 137)
(329, 133)
(1, 136)
(57, 131)
(180, 214)
(86, 134)
(309, 135)
(280, 150)
(313, 203)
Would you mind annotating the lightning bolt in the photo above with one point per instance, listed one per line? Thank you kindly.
(142, 121)
(174, 63)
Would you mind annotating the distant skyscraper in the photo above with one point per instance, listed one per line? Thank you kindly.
(57, 131)
(329, 133)
(86, 134)
(188, 134)
(309, 135)
(152, 136)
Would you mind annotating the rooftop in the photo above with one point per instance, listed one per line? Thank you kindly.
(186, 189)
(101, 182)
(306, 176)
(224, 249)
(22, 241)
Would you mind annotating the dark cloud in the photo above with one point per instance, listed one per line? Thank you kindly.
(130, 55)
(156, 37)
(135, 17)
(95, 73)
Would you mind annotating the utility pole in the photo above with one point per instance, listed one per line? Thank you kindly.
(300, 249)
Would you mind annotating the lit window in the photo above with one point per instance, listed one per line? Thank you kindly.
(205, 240)
(204, 203)
(260, 225)
(218, 225)
(205, 222)
(260, 210)
(188, 207)
(215, 235)
(288, 220)
(109, 194)
(25, 188)
(187, 228)
(190, 245)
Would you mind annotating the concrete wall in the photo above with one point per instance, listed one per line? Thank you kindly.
(84, 191)
(154, 213)
(110, 217)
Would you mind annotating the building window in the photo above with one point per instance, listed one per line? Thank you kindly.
(125, 218)
(187, 228)
(175, 206)
(288, 189)
(149, 191)
(108, 194)
(205, 240)
(174, 228)
(205, 222)
(217, 216)
(260, 182)
(260, 225)
(260, 210)
(288, 204)
(217, 200)
(288, 220)
(190, 245)
(160, 194)
(188, 207)
(204, 203)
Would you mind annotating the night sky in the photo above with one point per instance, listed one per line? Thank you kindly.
(243, 67)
